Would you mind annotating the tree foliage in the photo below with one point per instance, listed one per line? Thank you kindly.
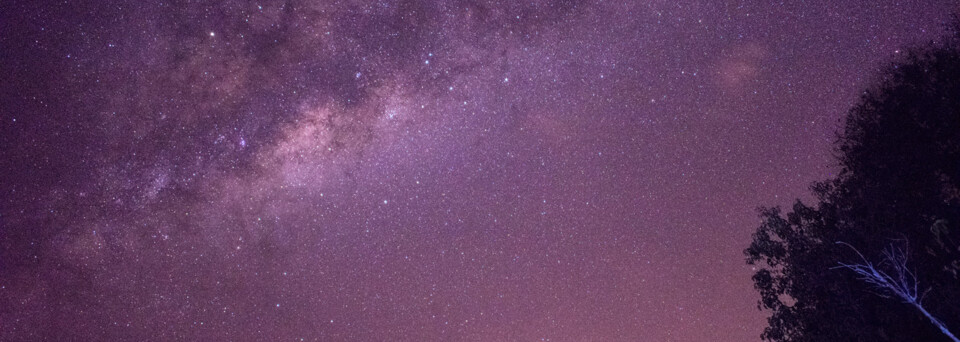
(899, 153)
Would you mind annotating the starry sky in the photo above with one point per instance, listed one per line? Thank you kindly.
(414, 170)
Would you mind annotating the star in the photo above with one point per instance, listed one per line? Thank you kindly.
(552, 158)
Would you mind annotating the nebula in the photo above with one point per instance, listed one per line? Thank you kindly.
(413, 170)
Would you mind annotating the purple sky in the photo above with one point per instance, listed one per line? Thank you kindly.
(422, 171)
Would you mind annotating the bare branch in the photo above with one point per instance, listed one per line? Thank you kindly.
(901, 282)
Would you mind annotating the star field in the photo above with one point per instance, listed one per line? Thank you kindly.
(413, 170)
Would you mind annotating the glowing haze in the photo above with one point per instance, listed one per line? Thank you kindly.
(413, 171)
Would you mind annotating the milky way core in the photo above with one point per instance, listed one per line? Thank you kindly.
(413, 170)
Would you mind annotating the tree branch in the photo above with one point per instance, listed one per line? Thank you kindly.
(901, 282)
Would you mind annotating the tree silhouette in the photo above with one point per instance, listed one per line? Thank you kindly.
(899, 153)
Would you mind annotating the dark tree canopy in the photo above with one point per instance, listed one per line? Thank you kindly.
(899, 153)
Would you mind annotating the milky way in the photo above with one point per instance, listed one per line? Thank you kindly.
(413, 171)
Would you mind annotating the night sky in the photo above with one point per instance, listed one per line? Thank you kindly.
(414, 171)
